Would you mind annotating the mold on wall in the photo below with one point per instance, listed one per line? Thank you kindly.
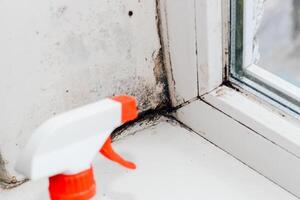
(57, 55)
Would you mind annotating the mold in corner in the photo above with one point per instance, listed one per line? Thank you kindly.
(161, 78)
(6, 180)
(160, 67)
(163, 35)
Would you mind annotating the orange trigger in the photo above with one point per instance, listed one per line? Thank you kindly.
(109, 153)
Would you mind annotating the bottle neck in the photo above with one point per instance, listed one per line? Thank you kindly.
(80, 186)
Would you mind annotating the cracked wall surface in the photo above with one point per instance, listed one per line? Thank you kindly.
(57, 55)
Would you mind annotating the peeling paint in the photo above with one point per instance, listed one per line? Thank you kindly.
(6, 180)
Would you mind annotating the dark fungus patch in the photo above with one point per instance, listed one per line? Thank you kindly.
(161, 78)
(145, 118)
(130, 13)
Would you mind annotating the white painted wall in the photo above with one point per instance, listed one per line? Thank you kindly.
(56, 55)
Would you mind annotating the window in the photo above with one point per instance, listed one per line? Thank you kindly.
(265, 49)
(238, 122)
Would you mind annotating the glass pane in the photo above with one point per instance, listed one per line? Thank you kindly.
(278, 39)
(265, 50)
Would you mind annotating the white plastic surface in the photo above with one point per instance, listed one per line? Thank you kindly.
(68, 142)
(172, 164)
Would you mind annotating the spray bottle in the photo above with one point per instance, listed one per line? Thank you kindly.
(64, 147)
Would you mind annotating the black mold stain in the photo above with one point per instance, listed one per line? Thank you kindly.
(148, 96)
(159, 69)
(161, 79)
(59, 12)
(62, 10)
(130, 13)
(162, 57)
(146, 117)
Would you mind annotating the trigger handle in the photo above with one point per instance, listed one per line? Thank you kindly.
(109, 153)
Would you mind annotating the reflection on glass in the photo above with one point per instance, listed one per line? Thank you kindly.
(278, 37)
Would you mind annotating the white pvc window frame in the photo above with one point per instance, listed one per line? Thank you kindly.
(274, 81)
(238, 121)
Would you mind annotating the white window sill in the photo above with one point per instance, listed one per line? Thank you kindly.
(262, 138)
(274, 126)
(173, 163)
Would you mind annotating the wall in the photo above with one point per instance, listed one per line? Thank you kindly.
(56, 55)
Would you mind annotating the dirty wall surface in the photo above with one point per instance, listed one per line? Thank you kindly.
(57, 55)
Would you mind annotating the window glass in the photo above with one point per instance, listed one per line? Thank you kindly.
(278, 39)
(265, 49)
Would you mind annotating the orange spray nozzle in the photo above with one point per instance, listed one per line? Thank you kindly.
(129, 107)
(129, 112)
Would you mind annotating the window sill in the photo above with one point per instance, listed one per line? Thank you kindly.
(173, 163)
(264, 139)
